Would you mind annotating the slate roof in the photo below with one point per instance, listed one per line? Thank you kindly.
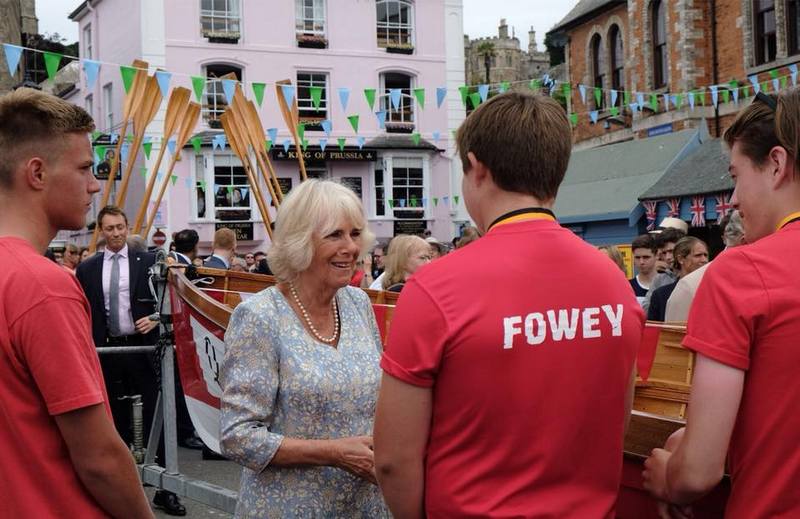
(605, 183)
(704, 171)
(585, 9)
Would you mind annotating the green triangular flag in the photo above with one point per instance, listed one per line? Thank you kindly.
(198, 84)
(464, 91)
(51, 62)
(733, 84)
(455, 199)
(573, 118)
(413, 202)
(764, 87)
(268, 145)
(726, 96)
(353, 122)
(341, 141)
(258, 90)
(536, 84)
(202, 184)
(745, 91)
(700, 97)
(435, 201)
(301, 131)
(316, 96)
(197, 143)
(174, 178)
(100, 151)
(419, 93)
(230, 190)
(369, 93)
(415, 137)
(143, 173)
(304, 144)
(598, 95)
(654, 102)
(680, 100)
(567, 89)
(783, 83)
(626, 98)
(129, 139)
(128, 73)
(96, 134)
(773, 73)
(475, 97)
(505, 86)
(614, 111)
(147, 147)
(391, 202)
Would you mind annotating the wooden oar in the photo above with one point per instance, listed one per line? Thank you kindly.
(290, 117)
(258, 133)
(141, 119)
(131, 104)
(189, 121)
(176, 107)
(239, 146)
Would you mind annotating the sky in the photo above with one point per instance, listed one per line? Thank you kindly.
(481, 17)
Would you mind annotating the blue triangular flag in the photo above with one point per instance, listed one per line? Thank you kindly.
(614, 95)
(593, 116)
(91, 68)
(394, 95)
(776, 84)
(229, 88)
(288, 94)
(714, 95)
(634, 106)
(483, 91)
(123, 152)
(188, 183)
(503, 88)
(436, 136)
(582, 90)
(344, 96)
(793, 73)
(273, 133)
(402, 202)
(381, 119)
(691, 100)
(171, 146)
(13, 54)
(327, 127)
(323, 143)
(640, 100)
(735, 95)
(666, 102)
(445, 198)
(217, 141)
(441, 94)
(286, 144)
(360, 141)
(675, 100)
(163, 77)
(424, 202)
(114, 137)
(754, 82)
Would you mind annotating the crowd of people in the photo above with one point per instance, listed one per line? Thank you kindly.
(505, 386)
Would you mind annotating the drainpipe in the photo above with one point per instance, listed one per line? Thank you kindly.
(715, 64)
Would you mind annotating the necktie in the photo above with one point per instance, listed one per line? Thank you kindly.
(113, 297)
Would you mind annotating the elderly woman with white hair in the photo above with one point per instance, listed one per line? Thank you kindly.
(301, 373)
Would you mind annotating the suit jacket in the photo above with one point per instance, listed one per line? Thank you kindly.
(90, 276)
(180, 258)
(214, 262)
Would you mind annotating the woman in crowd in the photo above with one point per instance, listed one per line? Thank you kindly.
(614, 255)
(468, 235)
(407, 253)
(300, 376)
(689, 255)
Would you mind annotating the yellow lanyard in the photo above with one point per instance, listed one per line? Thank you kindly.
(523, 215)
(789, 219)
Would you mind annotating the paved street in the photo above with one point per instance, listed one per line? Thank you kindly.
(222, 473)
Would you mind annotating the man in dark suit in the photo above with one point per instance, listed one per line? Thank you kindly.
(224, 247)
(185, 242)
(116, 285)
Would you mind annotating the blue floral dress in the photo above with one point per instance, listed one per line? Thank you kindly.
(279, 381)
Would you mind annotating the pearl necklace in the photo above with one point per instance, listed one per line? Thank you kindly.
(314, 332)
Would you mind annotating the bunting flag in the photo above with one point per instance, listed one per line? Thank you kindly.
(626, 98)
(475, 98)
(143, 173)
(674, 207)
(535, 84)
(353, 122)
(582, 90)
(666, 102)
(229, 88)
(650, 213)
(754, 82)
(593, 116)
(724, 206)
(394, 96)
(726, 96)
(123, 152)
(441, 95)
(91, 69)
(360, 142)
(113, 137)
(323, 143)
(381, 119)
(698, 211)
(286, 144)
(268, 145)
(128, 73)
(197, 143)
(793, 73)
(344, 97)
(316, 96)
(640, 100)
(736, 96)
(634, 107)
(691, 101)
(654, 102)
(147, 147)
(598, 96)
(187, 182)
(173, 179)
(614, 111)
(288, 94)
(504, 87)
(714, 96)
(435, 201)
(13, 55)
(258, 91)
(273, 134)
(304, 144)
(301, 131)
(483, 91)
(573, 118)
(419, 94)
(436, 136)
(614, 95)
(198, 85)
(415, 137)
(455, 199)
(566, 89)
(341, 141)
(163, 77)
(327, 126)
(464, 91)
(218, 141)
(51, 62)
(171, 145)
(369, 94)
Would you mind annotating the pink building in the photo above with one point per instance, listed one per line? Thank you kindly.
(393, 46)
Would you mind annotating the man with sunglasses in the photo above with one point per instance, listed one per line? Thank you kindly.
(743, 325)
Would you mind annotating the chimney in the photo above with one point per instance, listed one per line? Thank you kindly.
(503, 30)
(532, 41)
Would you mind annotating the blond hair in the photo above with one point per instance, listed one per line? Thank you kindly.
(33, 123)
(614, 255)
(401, 248)
(224, 239)
(313, 207)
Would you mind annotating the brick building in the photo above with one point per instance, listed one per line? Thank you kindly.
(509, 63)
(17, 22)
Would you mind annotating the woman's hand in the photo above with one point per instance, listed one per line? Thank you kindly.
(355, 456)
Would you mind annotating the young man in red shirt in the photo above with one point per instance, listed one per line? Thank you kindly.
(743, 324)
(508, 372)
(62, 456)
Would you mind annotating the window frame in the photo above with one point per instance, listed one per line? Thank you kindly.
(87, 41)
(598, 72)
(215, 91)
(299, 16)
(388, 26)
(314, 116)
(658, 13)
(761, 38)
(231, 17)
(385, 163)
(385, 102)
(108, 105)
(617, 60)
(207, 172)
(88, 103)
(792, 14)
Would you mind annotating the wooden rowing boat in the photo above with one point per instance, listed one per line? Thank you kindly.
(203, 299)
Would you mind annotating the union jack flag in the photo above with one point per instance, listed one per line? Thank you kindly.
(698, 211)
(674, 207)
(724, 205)
(650, 213)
